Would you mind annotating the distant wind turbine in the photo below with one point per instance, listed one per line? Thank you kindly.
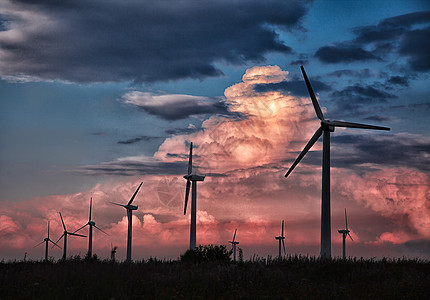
(281, 238)
(65, 234)
(113, 252)
(234, 243)
(327, 126)
(129, 209)
(345, 232)
(190, 177)
(46, 241)
(90, 235)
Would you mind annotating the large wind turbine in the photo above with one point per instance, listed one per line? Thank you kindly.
(46, 241)
(234, 243)
(281, 238)
(65, 233)
(327, 126)
(192, 178)
(129, 209)
(92, 224)
(345, 232)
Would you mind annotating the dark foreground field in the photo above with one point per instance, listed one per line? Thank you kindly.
(291, 278)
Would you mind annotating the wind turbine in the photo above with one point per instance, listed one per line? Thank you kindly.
(129, 209)
(65, 233)
(92, 224)
(345, 232)
(46, 241)
(281, 238)
(327, 126)
(234, 243)
(192, 178)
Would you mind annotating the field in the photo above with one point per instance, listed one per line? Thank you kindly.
(290, 278)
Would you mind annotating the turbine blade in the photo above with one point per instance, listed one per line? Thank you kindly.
(75, 234)
(80, 228)
(234, 236)
(48, 229)
(101, 230)
(39, 244)
(91, 204)
(58, 239)
(350, 237)
(313, 98)
(64, 225)
(190, 160)
(118, 204)
(305, 150)
(55, 244)
(346, 221)
(355, 125)
(282, 232)
(283, 244)
(187, 194)
(135, 193)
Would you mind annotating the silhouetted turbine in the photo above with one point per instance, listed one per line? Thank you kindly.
(234, 243)
(90, 235)
(129, 209)
(281, 238)
(327, 126)
(46, 241)
(65, 234)
(192, 178)
(345, 232)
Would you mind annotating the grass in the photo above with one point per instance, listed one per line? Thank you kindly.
(294, 277)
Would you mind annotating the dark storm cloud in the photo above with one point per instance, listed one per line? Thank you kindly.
(295, 87)
(365, 73)
(344, 54)
(181, 131)
(398, 80)
(400, 150)
(405, 35)
(137, 139)
(141, 41)
(175, 106)
(355, 99)
(132, 168)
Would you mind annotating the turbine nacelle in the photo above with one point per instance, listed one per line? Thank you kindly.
(195, 177)
(91, 223)
(280, 238)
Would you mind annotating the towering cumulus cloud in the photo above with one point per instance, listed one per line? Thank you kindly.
(244, 154)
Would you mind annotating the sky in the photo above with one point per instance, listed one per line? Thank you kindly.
(98, 96)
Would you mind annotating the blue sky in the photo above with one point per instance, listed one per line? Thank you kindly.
(82, 83)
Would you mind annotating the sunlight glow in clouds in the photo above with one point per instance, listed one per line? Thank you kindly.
(245, 160)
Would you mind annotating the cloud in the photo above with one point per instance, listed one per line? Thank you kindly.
(344, 54)
(137, 139)
(173, 106)
(98, 41)
(404, 36)
(296, 87)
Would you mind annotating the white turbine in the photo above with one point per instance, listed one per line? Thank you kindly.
(345, 232)
(46, 241)
(190, 177)
(92, 224)
(64, 235)
(234, 243)
(327, 126)
(129, 209)
(281, 238)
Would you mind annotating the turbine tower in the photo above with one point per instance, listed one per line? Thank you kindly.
(129, 209)
(234, 243)
(192, 178)
(327, 126)
(92, 224)
(65, 233)
(281, 238)
(46, 241)
(345, 232)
